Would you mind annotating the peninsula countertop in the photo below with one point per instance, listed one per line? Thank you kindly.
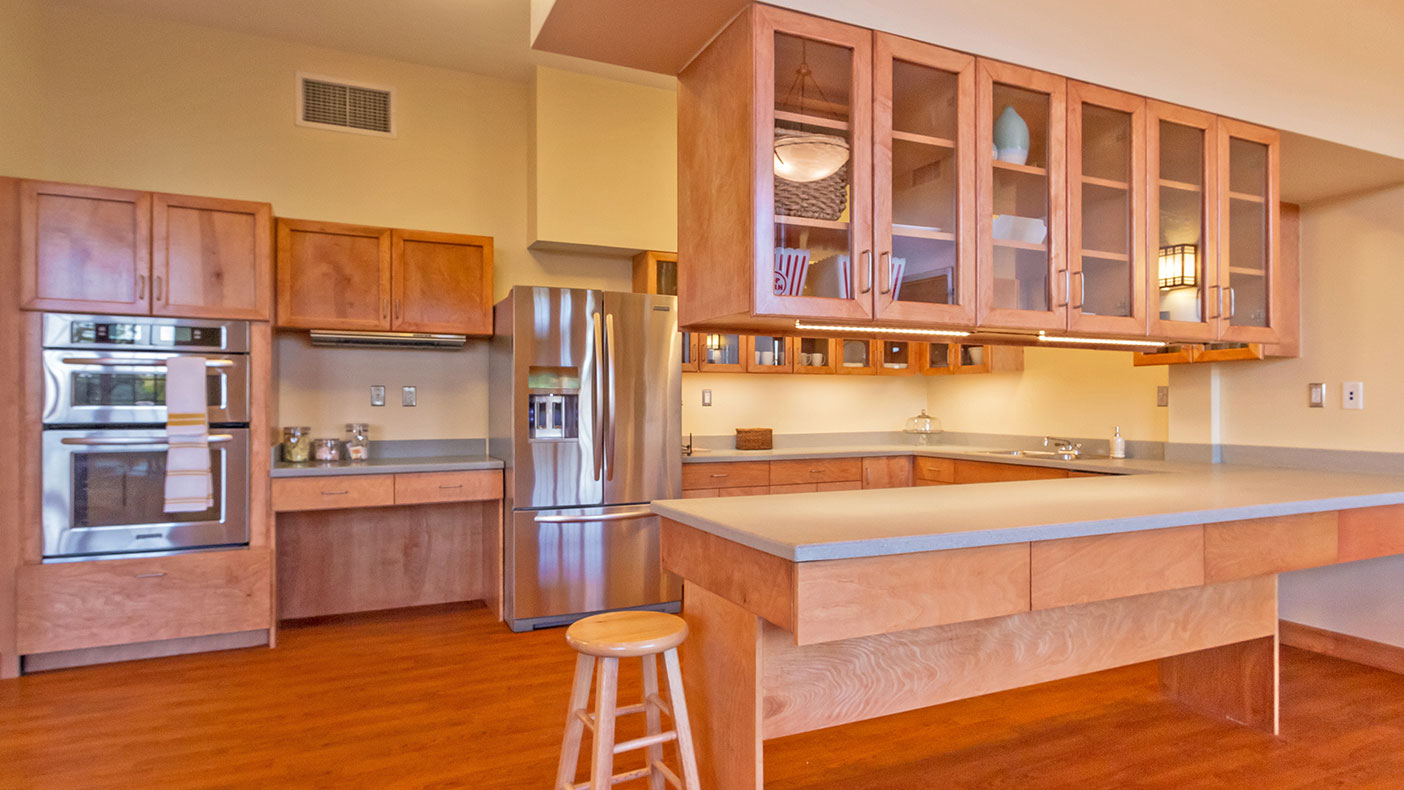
(964, 452)
(1148, 495)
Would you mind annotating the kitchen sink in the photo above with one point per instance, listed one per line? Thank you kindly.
(1034, 454)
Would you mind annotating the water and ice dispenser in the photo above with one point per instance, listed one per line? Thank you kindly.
(553, 403)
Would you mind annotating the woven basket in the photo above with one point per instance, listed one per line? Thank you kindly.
(753, 439)
(823, 199)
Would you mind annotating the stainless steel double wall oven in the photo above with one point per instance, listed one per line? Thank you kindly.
(104, 439)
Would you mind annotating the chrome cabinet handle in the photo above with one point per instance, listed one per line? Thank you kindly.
(1067, 285)
(867, 272)
(449, 488)
(625, 516)
(111, 362)
(1081, 290)
(141, 287)
(884, 272)
(335, 493)
(1218, 301)
(597, 441)
(384, 308)
(159, 287)
(1233, 306)
(397, 308)
(155, 575)
(215, 438)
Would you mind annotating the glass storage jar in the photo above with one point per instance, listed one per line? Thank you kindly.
(357, 441)
(326, 450)
(297, 444)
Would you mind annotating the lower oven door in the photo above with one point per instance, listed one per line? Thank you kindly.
(104, 494)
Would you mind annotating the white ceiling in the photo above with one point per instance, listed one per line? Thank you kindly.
(489, 37)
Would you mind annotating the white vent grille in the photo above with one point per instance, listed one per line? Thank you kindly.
(344, 106)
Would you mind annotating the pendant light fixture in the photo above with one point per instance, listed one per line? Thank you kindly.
(805, 157)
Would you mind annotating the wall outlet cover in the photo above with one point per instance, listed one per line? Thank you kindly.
(1316, 395)
(377, 394)
(706, 397)
(1162, 396)
(1353, 395)
(408, 396)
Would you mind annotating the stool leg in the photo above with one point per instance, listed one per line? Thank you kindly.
(650, 688)
(575, 728)
(680, 722)
(606, 701)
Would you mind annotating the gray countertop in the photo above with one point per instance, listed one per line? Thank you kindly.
(388, 466)
(964, 452)
(1148, 495)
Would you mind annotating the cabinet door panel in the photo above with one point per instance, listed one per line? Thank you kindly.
(1023, 268)
(1182, 230)
(924, 181)
(443, 283)
(333, 276)
(84, 249)
(211, 257)
(892, 472)
(1249, 233)
(1106, 210)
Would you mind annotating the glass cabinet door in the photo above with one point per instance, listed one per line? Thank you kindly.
(814, 354)
(855, 356)
(895, 357)
(1106, 204)
(1248, 236)
(1182, 222)
(924, 181)
(768, 354)
(936, 359)
(689, 352)
(719, 353)
(1020, 155)
(814, 144)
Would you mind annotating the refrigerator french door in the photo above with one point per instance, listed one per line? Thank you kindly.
(585, 412)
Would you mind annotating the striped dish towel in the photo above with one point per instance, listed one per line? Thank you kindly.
(189, 487)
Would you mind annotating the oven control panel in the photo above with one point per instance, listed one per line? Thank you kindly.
(154, 334)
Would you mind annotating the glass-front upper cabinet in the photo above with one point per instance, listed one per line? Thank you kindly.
(1106, 205)
(720, 353)
(769, 354)
(896, 357)
(689, 352)
(815, 138)
(1249, 247)
(855, 356)
(1182, 225)
(1020, 155)
(924, 182)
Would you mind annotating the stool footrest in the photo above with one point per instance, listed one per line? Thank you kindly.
(668, 776)
(638, 773)
(646, 741)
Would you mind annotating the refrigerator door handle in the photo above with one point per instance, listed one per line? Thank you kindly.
(613, 382)
(596, 418)
(627, 515)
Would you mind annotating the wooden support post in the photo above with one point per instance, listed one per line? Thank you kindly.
(1237, 682)
(721, 663)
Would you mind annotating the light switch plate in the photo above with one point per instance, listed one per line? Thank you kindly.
(1162, 396)
(377, 394)
(706, 397)
(1353, 395)
(1316, 395)
(407, 396)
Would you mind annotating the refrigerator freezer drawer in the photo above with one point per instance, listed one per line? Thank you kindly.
(564, 563)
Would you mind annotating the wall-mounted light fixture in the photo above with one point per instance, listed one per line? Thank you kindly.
(1179, 266)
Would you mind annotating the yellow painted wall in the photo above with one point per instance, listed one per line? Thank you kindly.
(1068, 392)
(149, 104)
(604, 163)
(1326, 70)
(19, 86)
(800, 404)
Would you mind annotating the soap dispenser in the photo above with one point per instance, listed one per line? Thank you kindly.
(1118, 444)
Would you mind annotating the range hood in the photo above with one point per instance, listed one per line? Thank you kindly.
(340, 339)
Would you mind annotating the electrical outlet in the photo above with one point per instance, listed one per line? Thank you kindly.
(407, 396)
(706, 397)
(1316, 395)
(1353, 395)
(377, 394)
(1162, 396)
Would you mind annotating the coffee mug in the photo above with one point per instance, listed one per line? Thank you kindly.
(805, 359)
(767, 357)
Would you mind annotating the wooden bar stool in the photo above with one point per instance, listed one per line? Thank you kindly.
(607, 638)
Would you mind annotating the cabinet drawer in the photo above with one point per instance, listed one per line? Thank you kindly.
(818, 470)
(795, 488)
(74, 605)
(744, 491)
(466, 486)
(937, 470)
(333, 492)
(842, 485)
(726, 475)
(983, 472)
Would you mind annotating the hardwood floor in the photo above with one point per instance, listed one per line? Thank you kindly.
(444, 697)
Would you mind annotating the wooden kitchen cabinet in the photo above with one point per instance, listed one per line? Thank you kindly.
(726, 474)
(1106, 211)
(656, 272)
(896, 357)
(721, 353)
(815, 355)
(1021, 247)
(1182, 222)
(1249, 233)
(689, 352)
(768, 354)
(856, 356)
(100, 250)
(354, 277)
(887, 472)
(84, 249)
(211, 257)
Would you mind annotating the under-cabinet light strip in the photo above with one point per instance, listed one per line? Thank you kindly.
(1100, 341)
(886, 330)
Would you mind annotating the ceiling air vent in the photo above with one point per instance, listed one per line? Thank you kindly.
(344, 106)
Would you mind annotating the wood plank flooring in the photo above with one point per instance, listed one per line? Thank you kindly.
(444, 697)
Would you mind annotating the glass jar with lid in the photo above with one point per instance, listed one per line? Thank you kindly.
(297, 444)
(326, 450)
(923, 426)
(357, 441)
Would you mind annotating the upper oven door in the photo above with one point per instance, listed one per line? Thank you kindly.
(104, 494)
(127, 388)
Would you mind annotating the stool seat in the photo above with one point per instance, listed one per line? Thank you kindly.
(626, 634)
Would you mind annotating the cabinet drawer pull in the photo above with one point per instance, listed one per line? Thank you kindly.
(460, 485)
(334, 493)
(155, 575)
(719, 474)
(816, 471)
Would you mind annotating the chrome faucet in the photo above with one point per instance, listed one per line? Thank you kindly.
(1064, 447)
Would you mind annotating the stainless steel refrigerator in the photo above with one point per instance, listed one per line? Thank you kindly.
(585, 401)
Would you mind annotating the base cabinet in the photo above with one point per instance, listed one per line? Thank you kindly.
(71, 606)
(808, 476)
